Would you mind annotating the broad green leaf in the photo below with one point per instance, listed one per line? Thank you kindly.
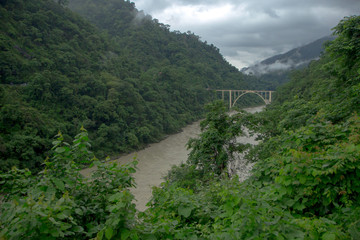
(229, 208)
(100, 235)
(109, 232)
(59, 184)
(61, 216)
(299, 206)
(78, 229)
(328, 236)
(125, 233)
(289, 202)
(184, 211)
(115, 197)
(55, 233)
(56, 142)
(60, 150)
(79, 211)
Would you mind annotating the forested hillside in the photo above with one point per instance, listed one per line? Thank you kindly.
(180, 57)
(128, 80)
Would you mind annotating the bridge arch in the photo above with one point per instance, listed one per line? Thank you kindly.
(235, 95)
(265, 100)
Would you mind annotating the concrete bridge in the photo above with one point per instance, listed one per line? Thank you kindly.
(234, 95)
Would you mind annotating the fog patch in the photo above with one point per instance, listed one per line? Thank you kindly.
(260, 68)
(140, 17)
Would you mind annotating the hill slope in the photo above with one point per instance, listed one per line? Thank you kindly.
(274, 71)
(296, 58)
(153, 45)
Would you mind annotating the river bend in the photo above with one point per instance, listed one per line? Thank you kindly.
(156, 160)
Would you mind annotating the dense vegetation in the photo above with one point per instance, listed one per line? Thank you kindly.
(305, 184)
(129, 80)
(59, 203)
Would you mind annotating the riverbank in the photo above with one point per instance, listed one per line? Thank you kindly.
(156, 160)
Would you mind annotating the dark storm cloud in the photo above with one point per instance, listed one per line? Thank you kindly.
(247, 31)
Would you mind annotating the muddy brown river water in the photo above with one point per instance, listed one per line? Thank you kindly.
(156, 160)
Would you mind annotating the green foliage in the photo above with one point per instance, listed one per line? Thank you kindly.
(345, 49)
(316, 170)
(188, 176)
(60, 203)
(15, 182)
(177, 213)
(227, 209)
(210, 152)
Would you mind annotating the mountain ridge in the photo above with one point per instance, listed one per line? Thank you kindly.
(293, 59)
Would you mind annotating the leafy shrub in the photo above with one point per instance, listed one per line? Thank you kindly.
(60, 202)
(317, 170)
(210, 152)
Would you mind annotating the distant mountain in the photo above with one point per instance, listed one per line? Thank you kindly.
(293, 59)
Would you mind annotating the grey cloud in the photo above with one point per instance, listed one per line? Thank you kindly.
(152, 6)
(257, 29)
(195, 2)
(272, 13)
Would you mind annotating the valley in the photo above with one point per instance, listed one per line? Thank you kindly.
(84, 81)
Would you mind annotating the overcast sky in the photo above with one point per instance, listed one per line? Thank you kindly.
(248, 31)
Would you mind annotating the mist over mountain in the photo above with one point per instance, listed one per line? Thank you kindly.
(293, 59)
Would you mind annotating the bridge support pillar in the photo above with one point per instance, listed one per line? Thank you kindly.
(230, 103)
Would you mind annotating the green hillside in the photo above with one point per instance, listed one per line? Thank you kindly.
(128, 80)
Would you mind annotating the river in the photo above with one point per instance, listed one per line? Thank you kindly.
(157, 159)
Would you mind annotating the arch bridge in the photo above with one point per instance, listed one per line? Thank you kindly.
(235, 95)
